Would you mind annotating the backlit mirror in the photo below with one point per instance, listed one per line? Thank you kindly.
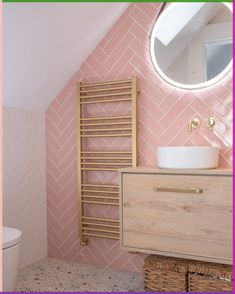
(191, 43)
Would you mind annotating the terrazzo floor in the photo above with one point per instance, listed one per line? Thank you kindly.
(54, 275)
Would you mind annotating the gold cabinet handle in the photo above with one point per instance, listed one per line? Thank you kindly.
(178, 190)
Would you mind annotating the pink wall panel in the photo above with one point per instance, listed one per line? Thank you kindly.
(163, 114)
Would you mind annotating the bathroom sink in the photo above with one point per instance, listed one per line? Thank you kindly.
(194, 157)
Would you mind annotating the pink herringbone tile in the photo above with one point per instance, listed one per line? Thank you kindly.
(68, 104)
(202, 108)
(118, 64)
(147, 10)
(72, 253)
(54, 117)
(99, 54)
(90, 72)
(119, 259)
(221, 92)
(141, 51)
(52, 182)
(121, 46)
(70, 208)
(53, 229)
(170, 99)
(53, 193)
(116, 37)
(103, 43)
(53, 250)
(68, 187)
(141, 18)
(52, 167)
(148, 82)
(51, 140)
(179, 138)
(140, 34)
(68, 116)
(126, 71)
(55, 105)
(228, 82)
(70, 169)
(165, 89)
(223, 162)
(52, 157)
(175, 123)
(97, 65)
(68, 144)
(52, 127)
(151, 103)
(69, 227)
(67, 131)
(70, 237)
(175, 110)
(65, 91)
(198, 139)
(119, 23)
(163, 114)
(147, 88)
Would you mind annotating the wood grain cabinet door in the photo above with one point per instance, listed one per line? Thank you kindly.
(178, 215)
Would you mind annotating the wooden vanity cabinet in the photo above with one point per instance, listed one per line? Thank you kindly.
(177, 213)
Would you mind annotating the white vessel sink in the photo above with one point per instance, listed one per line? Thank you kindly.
(194, 157)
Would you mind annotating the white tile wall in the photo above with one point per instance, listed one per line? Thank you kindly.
(24, 189)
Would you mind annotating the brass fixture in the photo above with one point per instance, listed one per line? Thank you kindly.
(103, 160)
(193, 124)
(211, 122)
(178, 190)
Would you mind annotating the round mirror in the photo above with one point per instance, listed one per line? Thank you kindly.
(191, 43)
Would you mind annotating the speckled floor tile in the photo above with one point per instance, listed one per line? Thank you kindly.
(57, 275)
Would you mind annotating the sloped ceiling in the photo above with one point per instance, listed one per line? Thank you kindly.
(45, 43)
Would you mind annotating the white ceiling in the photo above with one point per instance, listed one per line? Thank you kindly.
(45, 43)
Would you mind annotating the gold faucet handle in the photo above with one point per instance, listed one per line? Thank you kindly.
(193, 124)
(211, 122)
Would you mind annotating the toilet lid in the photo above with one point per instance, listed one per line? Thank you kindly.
(10, 237)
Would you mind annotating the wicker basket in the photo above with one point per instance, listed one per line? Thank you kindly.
(163, 274)
(209, 277)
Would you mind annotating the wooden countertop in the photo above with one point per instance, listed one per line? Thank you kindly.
(154, 170)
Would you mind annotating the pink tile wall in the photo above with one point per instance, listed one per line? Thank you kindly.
(163, 114)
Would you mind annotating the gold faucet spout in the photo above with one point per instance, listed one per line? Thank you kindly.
(193, 124)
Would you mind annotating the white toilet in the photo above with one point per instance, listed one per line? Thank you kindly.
(10, 253)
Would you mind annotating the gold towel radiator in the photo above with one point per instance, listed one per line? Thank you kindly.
(107, 160)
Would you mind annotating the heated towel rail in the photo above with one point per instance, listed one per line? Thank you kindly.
(90, 127)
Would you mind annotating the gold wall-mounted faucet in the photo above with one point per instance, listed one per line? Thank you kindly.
(193, 124)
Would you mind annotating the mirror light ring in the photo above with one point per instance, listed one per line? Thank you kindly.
(211, 82)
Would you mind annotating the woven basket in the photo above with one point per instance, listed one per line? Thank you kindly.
(163, 274)
(209, 277)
